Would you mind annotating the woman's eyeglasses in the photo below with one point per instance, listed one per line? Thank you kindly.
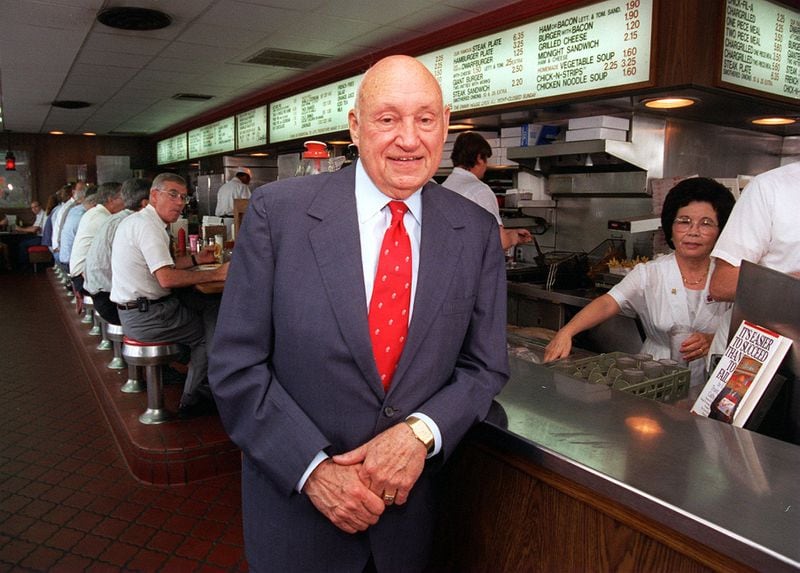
(705, 226)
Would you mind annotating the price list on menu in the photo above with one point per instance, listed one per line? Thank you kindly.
(311, 113)
(599, 46)
(213, 138)
(251, 128)
(762, 47)
(172, 150)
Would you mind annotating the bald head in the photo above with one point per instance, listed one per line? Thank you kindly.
(399, 124)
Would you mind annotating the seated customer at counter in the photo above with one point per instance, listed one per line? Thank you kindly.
(146, 286)
(672, 290)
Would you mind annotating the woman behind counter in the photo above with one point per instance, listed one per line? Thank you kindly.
(673, 289)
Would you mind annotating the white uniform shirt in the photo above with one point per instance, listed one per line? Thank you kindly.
(90, 223)
(141, 247)
(233, 189)
(97, 274)
(763, 227)
(467, 184)
(655, 292)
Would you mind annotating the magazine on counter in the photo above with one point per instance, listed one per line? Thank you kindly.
(743, 374)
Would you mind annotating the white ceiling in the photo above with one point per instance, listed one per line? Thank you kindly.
(56, 50)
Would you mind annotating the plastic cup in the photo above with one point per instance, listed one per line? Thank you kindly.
(624, 362)
(633, 375)
(677, 334)
(669, 365)
(653, 369)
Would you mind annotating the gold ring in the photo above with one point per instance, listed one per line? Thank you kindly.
(388, 499)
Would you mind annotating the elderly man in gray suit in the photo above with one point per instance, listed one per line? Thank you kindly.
(361, 334)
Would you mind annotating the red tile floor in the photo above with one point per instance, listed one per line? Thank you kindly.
(68, 500)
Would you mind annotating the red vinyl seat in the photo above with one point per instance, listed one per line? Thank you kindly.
(39, 254)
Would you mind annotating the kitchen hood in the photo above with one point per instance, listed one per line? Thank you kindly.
(578, 156)
(644, 152)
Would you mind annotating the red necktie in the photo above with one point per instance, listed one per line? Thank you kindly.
(391, 296)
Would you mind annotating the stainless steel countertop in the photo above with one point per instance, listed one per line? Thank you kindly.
(733, 489)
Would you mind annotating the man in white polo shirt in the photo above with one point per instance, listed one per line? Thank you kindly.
(143, 276)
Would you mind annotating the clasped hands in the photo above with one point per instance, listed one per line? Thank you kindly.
(353, 489)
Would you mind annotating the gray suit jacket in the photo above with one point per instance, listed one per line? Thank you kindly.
(293, 373)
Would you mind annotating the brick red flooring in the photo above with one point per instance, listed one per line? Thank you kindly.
(67, 499)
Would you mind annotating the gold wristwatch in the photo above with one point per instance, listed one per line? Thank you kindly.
(421, 431)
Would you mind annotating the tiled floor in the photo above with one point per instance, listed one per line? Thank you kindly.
(67, 499)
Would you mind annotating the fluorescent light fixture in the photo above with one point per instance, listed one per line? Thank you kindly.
(460, 126)
(56, 132)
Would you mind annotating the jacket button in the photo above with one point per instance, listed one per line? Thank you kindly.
(388, 411)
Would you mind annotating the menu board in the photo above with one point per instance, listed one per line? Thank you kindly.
(251, 128)
(217, 137)
(311, 113)
(603, 45)
(598, 46)
(172, 150)
(762, 47)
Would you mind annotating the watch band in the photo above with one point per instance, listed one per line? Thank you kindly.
(421, 431)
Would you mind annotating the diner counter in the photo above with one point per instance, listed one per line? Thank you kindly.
(734, 492)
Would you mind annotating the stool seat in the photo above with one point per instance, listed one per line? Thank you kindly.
(114, 332)
(39, 255)
(115, 335)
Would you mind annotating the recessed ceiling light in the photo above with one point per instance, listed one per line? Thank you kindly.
(773, 121)
(89, 133)
(340, 142)
(259, 154)
(130, 18)
(460, 126)
(55, 132)
(669, 102)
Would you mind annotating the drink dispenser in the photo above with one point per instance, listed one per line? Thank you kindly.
(315, 159)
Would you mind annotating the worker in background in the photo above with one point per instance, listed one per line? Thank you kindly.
(470, 155)
(236, 188)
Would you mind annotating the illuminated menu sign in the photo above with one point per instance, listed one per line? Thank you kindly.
(311, 113)
(599, 46)
(217, 137)
(251, 128)
(603, 45)
(172, 150)
(762, 47)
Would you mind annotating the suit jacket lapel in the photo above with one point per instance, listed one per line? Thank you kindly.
(337, 250)
(440, 249)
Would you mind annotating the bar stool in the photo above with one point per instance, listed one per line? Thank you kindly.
(97, 328)
(151, 356)
(114, 334)
(39, 254)
(105, 343)
(88, 312)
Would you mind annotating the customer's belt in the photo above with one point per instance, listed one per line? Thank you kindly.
(133, 305)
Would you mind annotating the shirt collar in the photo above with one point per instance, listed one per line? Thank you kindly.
(370, 200)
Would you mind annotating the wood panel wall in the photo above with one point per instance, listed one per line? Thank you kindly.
(50, 154)
(502, 514)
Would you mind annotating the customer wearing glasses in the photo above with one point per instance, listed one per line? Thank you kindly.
(146, 285)
(672, 289)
